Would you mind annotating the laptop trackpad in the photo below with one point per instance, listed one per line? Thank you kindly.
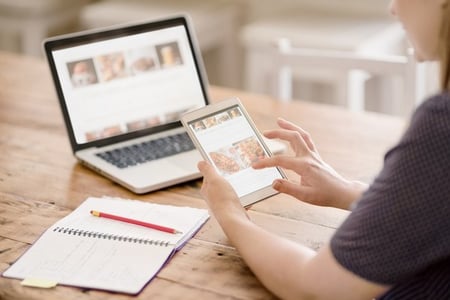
(186, 161)
(167, 169)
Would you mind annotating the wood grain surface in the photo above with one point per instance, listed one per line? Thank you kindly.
(41, 182)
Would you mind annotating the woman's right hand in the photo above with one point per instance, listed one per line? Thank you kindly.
(319, 183)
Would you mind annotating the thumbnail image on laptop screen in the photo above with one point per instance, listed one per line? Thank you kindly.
(128, 83)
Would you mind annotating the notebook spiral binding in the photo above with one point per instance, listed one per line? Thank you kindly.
(107, 236)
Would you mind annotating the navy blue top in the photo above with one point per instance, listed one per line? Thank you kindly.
(399, 231)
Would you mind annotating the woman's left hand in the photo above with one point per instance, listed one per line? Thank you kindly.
(220, 196)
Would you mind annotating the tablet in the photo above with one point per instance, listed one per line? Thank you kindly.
(227, 138)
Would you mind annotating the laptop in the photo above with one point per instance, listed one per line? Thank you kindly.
(122, 91)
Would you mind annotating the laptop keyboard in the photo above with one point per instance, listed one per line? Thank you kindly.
(146, 151)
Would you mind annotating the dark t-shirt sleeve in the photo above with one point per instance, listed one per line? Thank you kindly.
(401, 225)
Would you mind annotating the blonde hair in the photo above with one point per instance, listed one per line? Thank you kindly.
(444, 45)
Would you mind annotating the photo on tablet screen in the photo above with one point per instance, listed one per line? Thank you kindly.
(228, 140)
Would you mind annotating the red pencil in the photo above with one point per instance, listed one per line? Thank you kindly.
(135, 222)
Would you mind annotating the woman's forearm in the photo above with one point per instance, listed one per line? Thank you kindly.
(276, 262)
(292, 271)
(353, 192)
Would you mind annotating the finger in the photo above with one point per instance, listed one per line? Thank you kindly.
(283, 123)
(286, 162)
(294, 189)
(210, 176)
(206, 169)
(291, 126)
(295, 139)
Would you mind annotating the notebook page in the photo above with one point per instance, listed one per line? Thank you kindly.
(99, 262)
(184, 219)
(91, 263)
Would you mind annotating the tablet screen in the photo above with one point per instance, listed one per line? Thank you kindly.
(230, 142)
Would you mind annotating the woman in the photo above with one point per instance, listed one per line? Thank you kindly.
(396, 242)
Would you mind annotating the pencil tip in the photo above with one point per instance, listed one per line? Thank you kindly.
(95, 213)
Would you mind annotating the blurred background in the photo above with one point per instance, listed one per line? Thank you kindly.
(350, 53)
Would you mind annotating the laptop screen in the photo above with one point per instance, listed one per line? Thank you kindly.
(126, 80)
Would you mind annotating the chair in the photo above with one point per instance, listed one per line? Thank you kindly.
(408, 93)
(346, 34)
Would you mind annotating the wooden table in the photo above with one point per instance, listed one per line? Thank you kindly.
(40, 182)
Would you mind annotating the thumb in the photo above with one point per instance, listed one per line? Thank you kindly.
(294, 189)
(206, 169)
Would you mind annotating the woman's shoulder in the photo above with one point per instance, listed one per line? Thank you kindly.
(436, 103)
(433, 114)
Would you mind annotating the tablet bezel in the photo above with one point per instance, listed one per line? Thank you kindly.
(213, 109)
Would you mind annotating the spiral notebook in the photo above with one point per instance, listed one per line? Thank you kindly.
(85, 251)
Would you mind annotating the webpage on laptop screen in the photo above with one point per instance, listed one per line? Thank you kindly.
(128, 83)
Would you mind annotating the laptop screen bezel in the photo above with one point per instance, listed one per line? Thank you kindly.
(85, 37)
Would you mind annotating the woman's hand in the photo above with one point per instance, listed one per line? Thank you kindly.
(220, 196)
(319, 183)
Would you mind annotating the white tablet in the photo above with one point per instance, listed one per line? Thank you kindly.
(228, 139)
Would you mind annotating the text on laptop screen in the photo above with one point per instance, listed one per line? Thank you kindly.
(112, 87)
